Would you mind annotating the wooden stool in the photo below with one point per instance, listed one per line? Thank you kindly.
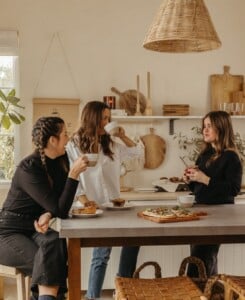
(180, 287)
(23, 283)
(234, 287)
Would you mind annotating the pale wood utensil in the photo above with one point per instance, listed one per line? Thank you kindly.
(138, 113)
(148, 110)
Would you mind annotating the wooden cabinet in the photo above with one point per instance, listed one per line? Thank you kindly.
(67, 109)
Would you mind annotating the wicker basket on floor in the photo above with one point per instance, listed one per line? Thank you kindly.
(170, 288)
(214, 289)
(202, 278)
(234, 287)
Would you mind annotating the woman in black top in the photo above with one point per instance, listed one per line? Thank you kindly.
(216, 178)
(43, 187)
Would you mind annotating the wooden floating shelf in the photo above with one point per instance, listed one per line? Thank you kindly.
(171, 119)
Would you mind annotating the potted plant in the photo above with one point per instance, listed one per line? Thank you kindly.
(8, 109)
(9, 106)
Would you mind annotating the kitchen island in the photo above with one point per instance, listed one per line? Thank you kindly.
(223, 224)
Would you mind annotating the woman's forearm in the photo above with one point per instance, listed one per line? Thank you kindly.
(127, 141)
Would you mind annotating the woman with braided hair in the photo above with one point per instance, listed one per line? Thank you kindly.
(43, 187)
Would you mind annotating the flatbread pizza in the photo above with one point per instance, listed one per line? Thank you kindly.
(159, 212)
(170, 214)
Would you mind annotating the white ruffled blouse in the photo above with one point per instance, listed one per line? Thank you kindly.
(101, 183)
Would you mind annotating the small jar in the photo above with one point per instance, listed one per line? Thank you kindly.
(110, 101)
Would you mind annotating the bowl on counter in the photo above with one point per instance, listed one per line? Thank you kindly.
(186, 200)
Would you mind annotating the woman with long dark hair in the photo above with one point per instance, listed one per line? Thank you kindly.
(101, 183)
(43, 187)
(216, 178)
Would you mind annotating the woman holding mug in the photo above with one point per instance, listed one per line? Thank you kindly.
(43, 187)
(101, 183)
(216, 177)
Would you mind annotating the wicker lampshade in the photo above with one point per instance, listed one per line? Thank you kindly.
(182, 26)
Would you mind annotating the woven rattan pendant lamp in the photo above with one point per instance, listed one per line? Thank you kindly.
(182, 26)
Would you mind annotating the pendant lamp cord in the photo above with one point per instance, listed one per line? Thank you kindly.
(57, 36)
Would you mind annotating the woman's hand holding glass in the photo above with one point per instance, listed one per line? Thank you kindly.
(194, 174)
(120, 132)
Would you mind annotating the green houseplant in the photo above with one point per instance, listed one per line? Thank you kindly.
(9, 106)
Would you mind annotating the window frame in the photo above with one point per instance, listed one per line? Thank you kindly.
(14, 131)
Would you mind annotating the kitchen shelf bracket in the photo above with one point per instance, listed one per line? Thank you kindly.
(171, 126)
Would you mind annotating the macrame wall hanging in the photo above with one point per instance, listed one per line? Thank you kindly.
(66, 108)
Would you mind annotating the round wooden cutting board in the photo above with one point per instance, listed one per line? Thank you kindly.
(155, 149)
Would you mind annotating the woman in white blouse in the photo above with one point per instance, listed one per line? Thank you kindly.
(101, 183)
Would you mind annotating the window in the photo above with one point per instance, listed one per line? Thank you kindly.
(7, 83)
(9, 48)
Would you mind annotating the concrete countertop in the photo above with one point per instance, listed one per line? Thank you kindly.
(222, 220)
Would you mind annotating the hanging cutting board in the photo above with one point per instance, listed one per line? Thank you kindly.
(223, 86)
(155, 149)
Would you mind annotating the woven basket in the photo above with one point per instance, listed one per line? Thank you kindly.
(234, 287)
(213, 288)
(202, 279)
(182, 26)
(180, 287)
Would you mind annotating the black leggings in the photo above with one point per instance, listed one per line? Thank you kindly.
(208, 254)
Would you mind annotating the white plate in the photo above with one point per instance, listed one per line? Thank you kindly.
(98, 213)
(109, 205)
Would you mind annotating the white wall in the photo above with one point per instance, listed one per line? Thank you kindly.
(102, 43)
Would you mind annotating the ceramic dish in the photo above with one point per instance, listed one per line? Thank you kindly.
(166, 185)
(98, 213)
(110, 206)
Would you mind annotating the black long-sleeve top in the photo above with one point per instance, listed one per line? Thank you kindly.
(33, 193)
(225, 178)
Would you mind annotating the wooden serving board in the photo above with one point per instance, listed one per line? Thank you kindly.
(194, 217)
(223, 87)
(155, 149)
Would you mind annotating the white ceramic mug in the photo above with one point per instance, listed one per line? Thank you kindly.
(186, 200)
(92, 159)
(112, 128)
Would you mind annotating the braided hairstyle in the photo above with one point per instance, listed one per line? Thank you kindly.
(43, 129)
(86, 137)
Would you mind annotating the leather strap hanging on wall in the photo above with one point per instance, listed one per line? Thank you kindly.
(56, 36)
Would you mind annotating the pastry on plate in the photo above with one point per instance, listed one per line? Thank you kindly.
(84, 210)
(118, 202)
